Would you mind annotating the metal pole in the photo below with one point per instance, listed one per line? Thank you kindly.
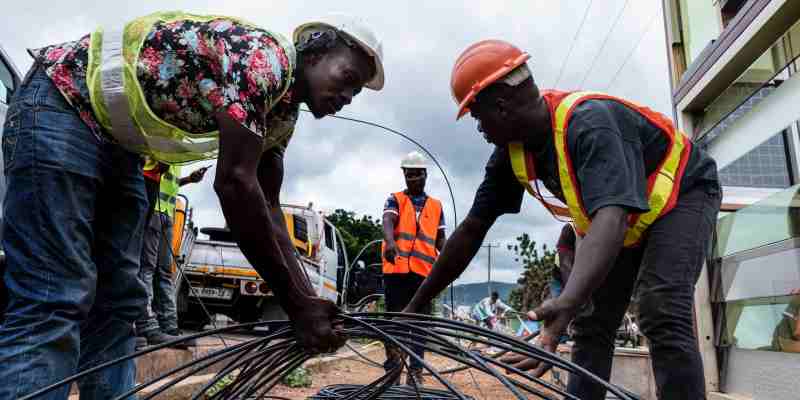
(489, 277)
(489, 269)
(435, 161)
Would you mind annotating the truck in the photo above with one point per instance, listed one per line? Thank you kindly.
(214, 277)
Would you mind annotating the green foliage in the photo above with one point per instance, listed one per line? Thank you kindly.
(219, 385)
(537, 266)
(357, 232)
(299, 377)
(381, 305)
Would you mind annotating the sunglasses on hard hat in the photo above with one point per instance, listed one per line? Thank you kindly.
(412, 173)
(325, 39)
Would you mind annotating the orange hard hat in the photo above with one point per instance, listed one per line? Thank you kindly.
(479, 66)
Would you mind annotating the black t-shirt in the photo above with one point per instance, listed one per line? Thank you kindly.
(613, 149)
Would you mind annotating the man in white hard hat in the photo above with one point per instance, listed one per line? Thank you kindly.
(413, 235)
(179, 88)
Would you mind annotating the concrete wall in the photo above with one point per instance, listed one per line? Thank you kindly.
(632, 370)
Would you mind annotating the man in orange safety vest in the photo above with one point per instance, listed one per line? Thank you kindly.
(413, 235)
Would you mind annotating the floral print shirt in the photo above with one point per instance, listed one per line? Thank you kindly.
(191, 70)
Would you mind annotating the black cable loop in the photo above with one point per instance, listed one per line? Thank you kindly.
(256, 366)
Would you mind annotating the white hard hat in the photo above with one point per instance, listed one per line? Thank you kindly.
(355, 29)
(414, 160)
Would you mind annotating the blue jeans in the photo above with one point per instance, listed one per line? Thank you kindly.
(74, 216)
(156, 274)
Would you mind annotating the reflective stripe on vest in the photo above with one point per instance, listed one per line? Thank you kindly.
(169, 191)
(663, 183)
(151, 169)
(120, 105)
(416, 240)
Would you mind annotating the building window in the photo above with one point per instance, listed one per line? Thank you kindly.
(729, 9)
(766, 166)
(7, 82)
(329, 236)
(757, 275)
(700, 26)
(769, 71)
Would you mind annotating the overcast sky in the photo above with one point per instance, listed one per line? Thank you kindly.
(336, 164)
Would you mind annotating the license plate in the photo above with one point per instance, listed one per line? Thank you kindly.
(212, 292)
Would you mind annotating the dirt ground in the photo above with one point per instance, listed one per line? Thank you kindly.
(476, 384)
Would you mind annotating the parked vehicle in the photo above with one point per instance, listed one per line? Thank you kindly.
(9, 82)
(215, 277)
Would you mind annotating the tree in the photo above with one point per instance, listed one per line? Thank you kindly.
(357, 232)
(537, 270)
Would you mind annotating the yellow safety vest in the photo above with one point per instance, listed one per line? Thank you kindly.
(170, 184)
(119, 102)
(663, 183)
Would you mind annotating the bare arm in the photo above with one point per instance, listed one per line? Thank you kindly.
(565, 261)
(593, 261)
(247, 212)
(598, 251)
(195, 177)
(441, 238)
(242, 177)
(390, 247)
(270, 178)
(454, 259)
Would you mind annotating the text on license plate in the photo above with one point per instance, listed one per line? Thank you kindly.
(212, 293)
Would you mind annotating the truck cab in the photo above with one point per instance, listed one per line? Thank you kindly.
(214, 277)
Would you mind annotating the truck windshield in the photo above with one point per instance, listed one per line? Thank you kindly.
(203, 254)
(233, 257)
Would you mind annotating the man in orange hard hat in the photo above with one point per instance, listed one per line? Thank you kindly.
(643, 198)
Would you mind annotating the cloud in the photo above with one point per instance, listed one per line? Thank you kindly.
(338, 164)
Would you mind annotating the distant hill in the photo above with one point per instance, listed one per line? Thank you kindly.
(471, 293)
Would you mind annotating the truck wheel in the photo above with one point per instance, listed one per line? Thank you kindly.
(190, 316)
(248, 311)
(272, 311)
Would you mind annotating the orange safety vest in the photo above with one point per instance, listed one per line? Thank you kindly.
(663, 184)
(416, 240)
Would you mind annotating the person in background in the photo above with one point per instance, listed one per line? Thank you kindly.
(786, 336)
(159, 323)
(489, 310)
(413, 235)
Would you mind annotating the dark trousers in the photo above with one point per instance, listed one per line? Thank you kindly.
(156, 274)
(400, 289)
(662, 272)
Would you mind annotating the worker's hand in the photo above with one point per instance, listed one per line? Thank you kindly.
(390, 251)
(162, 168)
(393, 353)
(197, 175)
(315, 327)
(556, 317)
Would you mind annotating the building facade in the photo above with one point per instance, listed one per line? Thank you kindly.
(736, 92)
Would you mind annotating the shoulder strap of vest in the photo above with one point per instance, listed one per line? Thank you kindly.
(435, 207)
(401, 198)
